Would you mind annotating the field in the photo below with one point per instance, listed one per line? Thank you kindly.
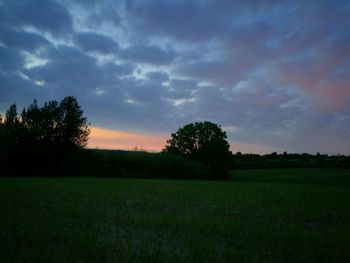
(276, 215)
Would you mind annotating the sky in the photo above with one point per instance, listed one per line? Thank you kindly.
(274, 74)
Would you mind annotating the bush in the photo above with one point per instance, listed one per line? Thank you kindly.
(128, 164)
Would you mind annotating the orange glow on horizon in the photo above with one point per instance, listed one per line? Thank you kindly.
(122, 140)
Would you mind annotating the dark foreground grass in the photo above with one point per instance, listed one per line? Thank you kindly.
(289, 215)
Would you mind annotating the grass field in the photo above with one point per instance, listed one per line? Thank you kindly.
(280, 215)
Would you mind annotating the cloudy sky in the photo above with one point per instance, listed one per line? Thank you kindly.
(274, 74)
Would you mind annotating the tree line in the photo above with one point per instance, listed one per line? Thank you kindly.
(50, 140)
(289, 160)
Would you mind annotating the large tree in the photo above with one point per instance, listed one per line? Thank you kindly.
(204, 142)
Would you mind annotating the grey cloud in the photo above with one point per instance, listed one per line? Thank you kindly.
(95, 42)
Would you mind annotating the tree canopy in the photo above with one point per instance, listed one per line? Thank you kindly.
(204, 142)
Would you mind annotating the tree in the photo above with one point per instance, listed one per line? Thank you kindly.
(12, 119)
(74, 127)
(204, 142)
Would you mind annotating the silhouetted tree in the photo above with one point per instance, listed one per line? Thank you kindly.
(204, 142)
(10, 136)
(42, 137)
(12, 120)
(11, 128)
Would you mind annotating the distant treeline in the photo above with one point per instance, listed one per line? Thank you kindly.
(142, 164)
(288, 160)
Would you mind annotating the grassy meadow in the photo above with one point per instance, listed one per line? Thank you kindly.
(271, 215)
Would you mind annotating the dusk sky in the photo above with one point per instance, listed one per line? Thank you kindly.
(274, 74)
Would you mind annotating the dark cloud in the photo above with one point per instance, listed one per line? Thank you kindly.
(157, 76)
(185, 20)
(100, 11)
(16, 88)
(144, 91)
(181, 88)
(86, 2)
(65, 64)
(219, 72)
(21, 40)
(95, 42)
(11, 60)
(195, 21)
(150, 54)
(45, 15)
(105, 90)
(121, 70)
(71, 71)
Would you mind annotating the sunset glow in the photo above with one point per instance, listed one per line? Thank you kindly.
(114, 139)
